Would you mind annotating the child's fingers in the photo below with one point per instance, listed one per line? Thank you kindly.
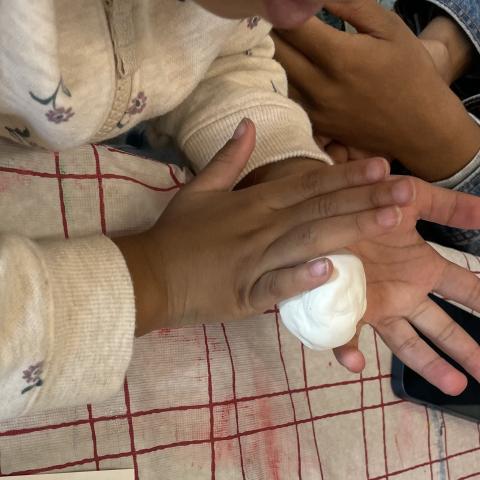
(349, 355)
(278, 285)
(414, 352)
(460, 285)
(448, 207)
(225, 168)
(353, 200)
(435, 324)
(313, 239)
(297, 188)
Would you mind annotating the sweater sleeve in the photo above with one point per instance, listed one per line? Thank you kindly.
(67, 320)
(244, 81)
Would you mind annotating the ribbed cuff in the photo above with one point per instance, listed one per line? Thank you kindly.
(93, 325)
(282, 133)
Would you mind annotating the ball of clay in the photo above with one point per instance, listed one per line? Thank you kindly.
(327, 316)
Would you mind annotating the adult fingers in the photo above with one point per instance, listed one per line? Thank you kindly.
(367, 16)
(352, 200)
(313, 239)
(447, 335)
(278, 285)
(315, 40)
(405, 343)
(294, 189)
(225, 168)
(301, 72)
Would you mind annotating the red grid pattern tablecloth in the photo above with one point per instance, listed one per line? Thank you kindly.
(226, 401)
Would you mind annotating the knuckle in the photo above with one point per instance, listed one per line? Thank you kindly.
(474, 294)
(360, 225)
(429, 368)
(409, 345)
(311, 182)
(307, 235)
(447, 332)
(273, 286)
(325, 206)
(351, 174)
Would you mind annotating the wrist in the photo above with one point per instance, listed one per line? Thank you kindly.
(148, 298)
(447, 148)
(284, 168)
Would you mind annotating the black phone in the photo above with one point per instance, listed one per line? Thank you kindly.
(409, 385)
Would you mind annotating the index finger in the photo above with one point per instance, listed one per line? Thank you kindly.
(447, 207)
(327, 178)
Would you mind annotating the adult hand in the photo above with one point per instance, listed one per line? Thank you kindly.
(216, 253)
(402, 269)
(379, 90)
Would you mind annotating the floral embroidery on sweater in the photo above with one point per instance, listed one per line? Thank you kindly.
(57, 114)
(32, 376)
(138, 104)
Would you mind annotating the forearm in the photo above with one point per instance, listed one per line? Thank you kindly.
(445, 144)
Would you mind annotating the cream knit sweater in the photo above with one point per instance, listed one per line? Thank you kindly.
(75, 72)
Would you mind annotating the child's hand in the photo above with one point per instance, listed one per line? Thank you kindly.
(402, 269)
(215, 254)
(379, 90)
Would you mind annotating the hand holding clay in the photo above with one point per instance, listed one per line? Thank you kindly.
(327, 317)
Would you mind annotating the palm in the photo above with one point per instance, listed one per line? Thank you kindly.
(402, 270)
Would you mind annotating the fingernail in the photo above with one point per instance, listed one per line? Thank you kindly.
(389, 217)
(377, 170)
(240, 130)
(319, 268)
(403, 192)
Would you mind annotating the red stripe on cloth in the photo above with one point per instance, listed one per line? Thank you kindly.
(472, 475)
(86, 176)
(305, 381)
(382, 406)
(446, 445)
(178, 183)
(141, 413)
(234, 390)
(60, 193)
(429, 443)
(299, 457)
(364, 429)
(101, 199)
(425, 464)
(131, 432)
(210, 402)
(94, 437)
(135, 453)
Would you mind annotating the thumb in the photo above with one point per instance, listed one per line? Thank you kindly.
(227, 165)
(350, 356)
(367, 16)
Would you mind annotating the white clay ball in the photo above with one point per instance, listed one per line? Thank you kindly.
(327, 316)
